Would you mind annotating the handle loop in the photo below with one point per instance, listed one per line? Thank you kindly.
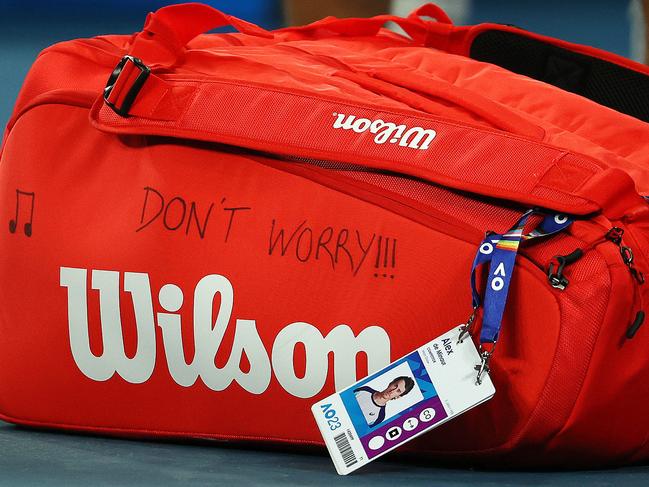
(422, 32)
(167, 31)
(431, 10)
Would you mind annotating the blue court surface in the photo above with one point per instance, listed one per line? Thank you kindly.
(30, 457)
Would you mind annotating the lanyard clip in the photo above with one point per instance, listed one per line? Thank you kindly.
(483, 366)
(467, 328)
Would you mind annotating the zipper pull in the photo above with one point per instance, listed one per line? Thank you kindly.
(627, 257)
(555, 269)
(555, 277)
(615, 236)
(558, 263)
(635, 326)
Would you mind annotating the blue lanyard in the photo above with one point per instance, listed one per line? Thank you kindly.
(500, 251)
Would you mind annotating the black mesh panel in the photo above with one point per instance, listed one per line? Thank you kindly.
(606, 83)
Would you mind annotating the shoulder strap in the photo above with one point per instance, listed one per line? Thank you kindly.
(513, 164)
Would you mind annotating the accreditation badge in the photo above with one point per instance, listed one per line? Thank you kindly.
(405, 399)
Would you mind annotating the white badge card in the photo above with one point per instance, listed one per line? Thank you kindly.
(410, 396)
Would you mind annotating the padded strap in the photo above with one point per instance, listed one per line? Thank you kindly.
(160, 99)
(456, 155)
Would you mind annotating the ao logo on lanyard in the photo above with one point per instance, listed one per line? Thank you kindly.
(499, 251)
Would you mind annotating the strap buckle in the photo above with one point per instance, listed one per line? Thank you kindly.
(111, 97)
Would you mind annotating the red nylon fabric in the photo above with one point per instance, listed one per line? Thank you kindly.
(329, 248)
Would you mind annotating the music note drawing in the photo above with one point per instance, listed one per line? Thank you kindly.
(13, 223)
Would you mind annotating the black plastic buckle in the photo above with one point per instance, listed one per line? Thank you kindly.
(132, 91)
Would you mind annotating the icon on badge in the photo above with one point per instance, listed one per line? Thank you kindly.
(410, 424)
(427, 415)
(376, 443)
(393, 433)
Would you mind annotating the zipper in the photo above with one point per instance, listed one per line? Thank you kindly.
(334, 168)
(328, 173)
(331, 171)
(638, 279)
(556, 267)
(558, 263)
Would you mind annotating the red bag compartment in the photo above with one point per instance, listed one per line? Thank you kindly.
(365, 283)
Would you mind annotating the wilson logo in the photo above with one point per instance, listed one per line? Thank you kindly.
(208, 334)
(413, 138)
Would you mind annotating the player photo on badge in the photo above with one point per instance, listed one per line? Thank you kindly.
(387, 395)
(396, 401)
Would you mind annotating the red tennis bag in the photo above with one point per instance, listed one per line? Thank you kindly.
(208, 233)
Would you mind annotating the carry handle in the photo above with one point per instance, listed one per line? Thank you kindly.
(422, 32)
(167, 31)
(430, 10)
